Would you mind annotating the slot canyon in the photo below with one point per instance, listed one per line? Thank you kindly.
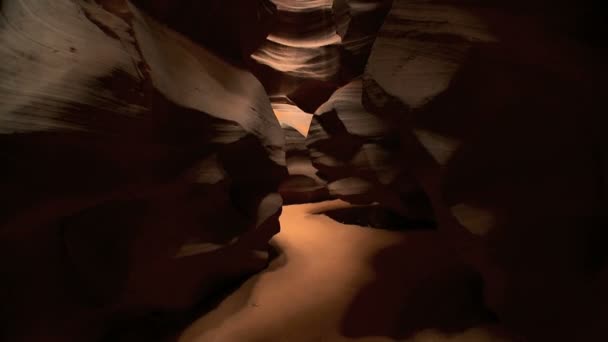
(303, 170)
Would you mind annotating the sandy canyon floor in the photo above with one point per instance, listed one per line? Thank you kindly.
(339, 282)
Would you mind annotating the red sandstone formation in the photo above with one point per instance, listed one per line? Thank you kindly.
(149, 147)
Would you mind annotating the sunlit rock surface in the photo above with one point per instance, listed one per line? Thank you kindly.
(290, 115)
(315, 47)
(140, 169)
(304, 42)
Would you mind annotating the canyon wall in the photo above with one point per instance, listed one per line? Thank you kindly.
(140, 169)
(148, 147)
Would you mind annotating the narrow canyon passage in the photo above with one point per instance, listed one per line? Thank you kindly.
(303, 170)
(338, 282)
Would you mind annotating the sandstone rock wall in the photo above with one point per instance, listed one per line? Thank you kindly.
(497, 108)
(140, 169)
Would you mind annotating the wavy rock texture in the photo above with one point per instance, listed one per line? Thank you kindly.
(303, 184)
(350, 154)
(308, 62)
(123, 184)
(315, 47)
(356, 152)
(148, 147)
(303, 43)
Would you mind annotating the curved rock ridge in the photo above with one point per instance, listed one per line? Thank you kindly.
(350, 154)
(347, 102)
(124, 145)
(315, 47)
(303, 5)
(38, 68)
(364, 169)
(320, 62)
(291, 115)
(191, 76)
(344, 130)
(306, 30)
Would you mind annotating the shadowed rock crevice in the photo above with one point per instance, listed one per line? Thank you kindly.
(375, 216)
